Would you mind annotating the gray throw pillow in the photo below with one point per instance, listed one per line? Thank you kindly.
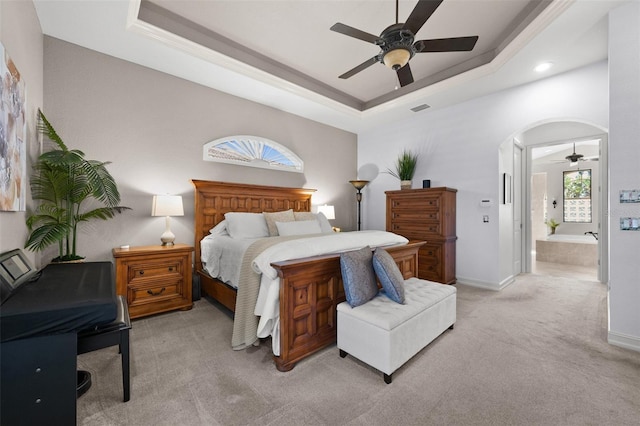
(389, 275)
(358, 277)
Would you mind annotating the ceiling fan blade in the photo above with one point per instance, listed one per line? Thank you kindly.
(354, 32)
(362, 66)
(405, 76)
(423, 11)
(454, 44)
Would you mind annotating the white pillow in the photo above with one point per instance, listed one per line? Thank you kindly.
(300, 227)
(219, 229)
(325, 226)
(246, 225)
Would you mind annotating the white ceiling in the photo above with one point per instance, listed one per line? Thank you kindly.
(215, 42)
(557, 152)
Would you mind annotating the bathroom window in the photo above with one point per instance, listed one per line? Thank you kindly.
(577, 196)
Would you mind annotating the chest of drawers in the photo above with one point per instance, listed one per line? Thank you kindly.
(429, 215)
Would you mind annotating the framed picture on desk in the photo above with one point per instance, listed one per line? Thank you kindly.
(15, 269)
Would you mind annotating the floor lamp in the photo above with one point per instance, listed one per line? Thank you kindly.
(358, 185)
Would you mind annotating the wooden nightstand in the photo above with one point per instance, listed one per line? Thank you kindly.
(154, 278)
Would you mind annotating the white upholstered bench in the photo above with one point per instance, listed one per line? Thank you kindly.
(385, 334)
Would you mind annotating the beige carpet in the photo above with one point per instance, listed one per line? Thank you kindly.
(532, 354)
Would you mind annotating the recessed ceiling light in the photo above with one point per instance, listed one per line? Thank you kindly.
(543, 67)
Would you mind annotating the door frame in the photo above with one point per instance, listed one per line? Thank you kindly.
(603, 207)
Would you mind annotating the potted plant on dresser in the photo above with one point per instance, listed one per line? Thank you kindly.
(405, 168)
(68, 190)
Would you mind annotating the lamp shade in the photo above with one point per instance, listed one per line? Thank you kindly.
(396, 58)
(359, 184)
(167, 205)
(327, 211)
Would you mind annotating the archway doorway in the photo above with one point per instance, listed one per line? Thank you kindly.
(578, 249)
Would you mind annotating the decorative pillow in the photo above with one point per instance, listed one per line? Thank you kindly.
(272, 218)
(219, 229)
(389, 275)
(304, 216)
(301, 227)
(358, 277)
(246, 225)
(325, 226)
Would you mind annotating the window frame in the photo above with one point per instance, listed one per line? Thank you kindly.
(568, 201)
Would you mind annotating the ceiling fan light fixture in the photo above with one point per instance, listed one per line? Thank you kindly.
(396, 58)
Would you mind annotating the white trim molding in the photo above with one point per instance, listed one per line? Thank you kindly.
(485, 284)
(624, 341)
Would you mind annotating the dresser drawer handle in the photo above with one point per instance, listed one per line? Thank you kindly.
(170, 268)
(156, 294)
(141, 272)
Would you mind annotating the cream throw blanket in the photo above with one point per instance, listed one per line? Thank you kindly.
(245, 322)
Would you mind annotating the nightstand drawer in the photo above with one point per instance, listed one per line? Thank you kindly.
(139, 294)
(165, 268)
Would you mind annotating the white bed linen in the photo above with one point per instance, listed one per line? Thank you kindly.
(268, 304)
(222, 256)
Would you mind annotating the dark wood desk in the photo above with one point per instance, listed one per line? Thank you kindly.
(38, 334)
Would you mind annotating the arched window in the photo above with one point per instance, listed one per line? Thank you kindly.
(252, 151)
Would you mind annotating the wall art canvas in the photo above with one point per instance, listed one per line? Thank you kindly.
(13, 134)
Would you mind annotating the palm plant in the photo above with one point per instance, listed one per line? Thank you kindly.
(405, 166)
(64, 182)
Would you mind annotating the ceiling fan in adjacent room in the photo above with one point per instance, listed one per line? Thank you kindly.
(574, 158)
(397, 42)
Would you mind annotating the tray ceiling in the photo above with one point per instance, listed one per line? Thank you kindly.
(281, 52)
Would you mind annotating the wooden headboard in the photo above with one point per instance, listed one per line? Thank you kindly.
(214, 199)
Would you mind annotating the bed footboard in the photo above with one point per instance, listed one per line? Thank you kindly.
(310, 290)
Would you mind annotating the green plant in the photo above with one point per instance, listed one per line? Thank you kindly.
(63, 183)
(551, 223)
(405, 165)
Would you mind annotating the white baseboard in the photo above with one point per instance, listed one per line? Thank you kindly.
(485, 284)
(624, 341)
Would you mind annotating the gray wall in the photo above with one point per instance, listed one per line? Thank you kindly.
(152, 126)
(22, 39)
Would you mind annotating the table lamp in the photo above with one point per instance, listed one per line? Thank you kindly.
(167, 205)
(328, 211)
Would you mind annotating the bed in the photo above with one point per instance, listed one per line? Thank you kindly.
(310, 288)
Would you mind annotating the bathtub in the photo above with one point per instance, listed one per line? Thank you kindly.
(581, 250)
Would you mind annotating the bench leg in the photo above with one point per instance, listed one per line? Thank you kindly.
(342, 353)
(451, 328)
(124, 354)
(387, 378)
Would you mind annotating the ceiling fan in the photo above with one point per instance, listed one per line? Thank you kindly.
(574, 158)
(397, 42)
